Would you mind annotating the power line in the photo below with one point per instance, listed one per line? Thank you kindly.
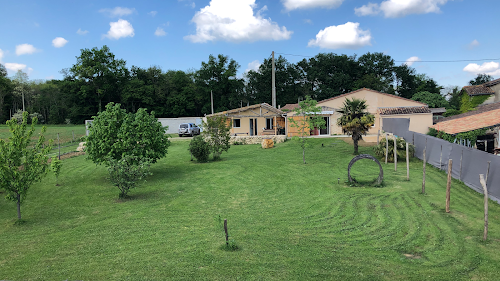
(404, 60)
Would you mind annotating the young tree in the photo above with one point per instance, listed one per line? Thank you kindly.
(127, 171)
(216, 132)
(21, 163)
(305, 118)
(55, 166)
(355, 121)
(115, 134)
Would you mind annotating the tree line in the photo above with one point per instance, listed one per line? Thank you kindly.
(98, 78)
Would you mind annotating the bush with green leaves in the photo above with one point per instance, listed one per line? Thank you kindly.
(216, 132)
(199, 148)
(55, 166)
(127, 171)
(115, 134)
(21, 162)
(380, 149)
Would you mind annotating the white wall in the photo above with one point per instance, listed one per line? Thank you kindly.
(173, 123)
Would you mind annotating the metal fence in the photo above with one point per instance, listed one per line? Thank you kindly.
(467, 164)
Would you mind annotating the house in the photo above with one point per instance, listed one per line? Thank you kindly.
(489, 88)
(485, 116)
(381, 105)
(255, 120)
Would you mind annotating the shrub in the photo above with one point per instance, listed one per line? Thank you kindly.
(199, 148)
(55, 166)
(126, 172)
(216, 129)
(401, 149)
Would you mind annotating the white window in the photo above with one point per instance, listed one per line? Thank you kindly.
(236, 123)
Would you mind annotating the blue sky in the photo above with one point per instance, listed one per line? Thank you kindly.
(43, 37)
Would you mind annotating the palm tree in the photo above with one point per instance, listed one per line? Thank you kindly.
(355, 120)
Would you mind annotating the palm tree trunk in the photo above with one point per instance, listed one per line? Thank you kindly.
(355, 140)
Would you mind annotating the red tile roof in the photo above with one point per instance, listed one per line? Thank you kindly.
(478, 90)
(350, 93)
(403, 110)
(237, 110)
(483, 117)
(290, 106)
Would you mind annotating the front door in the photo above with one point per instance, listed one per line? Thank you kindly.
(251, 127)
(324, 131)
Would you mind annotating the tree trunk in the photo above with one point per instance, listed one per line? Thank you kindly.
(18, 206)
(355, 140)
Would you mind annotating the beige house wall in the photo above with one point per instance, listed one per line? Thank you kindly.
(419, 122)
(245, 116)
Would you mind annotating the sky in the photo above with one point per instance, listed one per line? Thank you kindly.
(451, 41)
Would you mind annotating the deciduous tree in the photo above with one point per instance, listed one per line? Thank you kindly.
(21, 162)
(216, 132)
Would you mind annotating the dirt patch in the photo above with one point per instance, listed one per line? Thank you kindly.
(69, 155)
(360, 143)
(410, 256)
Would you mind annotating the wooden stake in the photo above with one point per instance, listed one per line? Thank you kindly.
(73, 139)
(225, 230)
(378, 136)
(441, 159)
(395, 154)
(460, 175)
(386, 147)
(59, 144)
(487, 172)
(407, 164)
(448, 186)
(485, 191)
(423, 180)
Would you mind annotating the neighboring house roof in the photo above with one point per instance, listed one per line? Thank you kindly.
(403, 110)
(290, 106)
(483, 117)
(366, 89)
(438, 110)
(265, 106)
(492, 83)
(478, 90)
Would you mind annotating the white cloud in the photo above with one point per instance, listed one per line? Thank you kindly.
(51, 77)
(25, 49)
(117, 11)
(1, 55)
(82, 32)
(473, 44)
(14, 67)
(193, 5)
(308, 4)
(401, 8)
(119, 29)
(59, 42)
(308, 21)
(344, 36)
(254, 65)
(160, 32)
(190, 4)
(153, 13)
(411, 60)
(365, 10)
(235, 21)
(491, 68)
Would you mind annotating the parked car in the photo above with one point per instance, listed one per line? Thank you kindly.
(189, 129)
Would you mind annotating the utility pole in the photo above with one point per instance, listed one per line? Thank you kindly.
(212, 101)
(274, 83)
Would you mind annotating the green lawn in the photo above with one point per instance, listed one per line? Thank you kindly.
(66, 133)
(291, 221)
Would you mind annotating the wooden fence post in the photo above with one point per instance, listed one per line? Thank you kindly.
(407, 164)
(485, 190)
(460, 175)
(386, 147)
(73, 139)
(448, 186)
(441, 159)
(487, 172)
(423, 180)
(395, 154)
(378, 136)
(59, 145)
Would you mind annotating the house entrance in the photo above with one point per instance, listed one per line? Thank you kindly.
(253, 127)
(325, 131)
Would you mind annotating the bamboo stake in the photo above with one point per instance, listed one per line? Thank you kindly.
(485, 190)
(448, 186)
(407, 164)
(423, 181)
(395, 155)
(386, 147)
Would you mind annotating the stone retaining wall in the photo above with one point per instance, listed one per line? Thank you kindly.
(256, 139)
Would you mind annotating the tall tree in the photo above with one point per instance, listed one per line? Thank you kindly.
(377, 72)
(355, 120)
(5, 90)
(218, 76)
(406, 81)
(433, 100)
(21, 163)
(481, 78)
(101, 72)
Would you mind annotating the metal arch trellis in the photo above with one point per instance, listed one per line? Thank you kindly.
(365, 156)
